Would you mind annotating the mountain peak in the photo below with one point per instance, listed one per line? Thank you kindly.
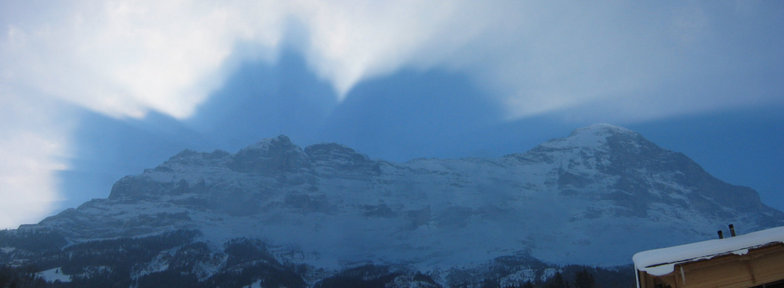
(603, 128)
(271, 143)
(592, 136)
(600, 131)
(270, 155)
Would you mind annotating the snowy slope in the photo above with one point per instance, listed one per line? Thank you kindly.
(595, 197)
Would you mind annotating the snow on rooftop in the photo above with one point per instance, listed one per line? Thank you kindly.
(662, 261)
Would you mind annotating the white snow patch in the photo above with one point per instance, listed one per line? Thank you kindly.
(7, 250)
(547, 274)
(518, 278)
(54, 274)
(661, 261)
(158, 264)
(660, 269)
(206, 269)
(256, 284)
(741, 252)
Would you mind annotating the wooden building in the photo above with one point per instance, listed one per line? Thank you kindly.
(751, 260)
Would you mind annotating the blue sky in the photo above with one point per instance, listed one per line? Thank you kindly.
(92, 91)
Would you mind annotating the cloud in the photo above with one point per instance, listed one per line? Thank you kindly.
(359, 40)
(29, 187)
(32, 150)
(536, 58)
(124, 58)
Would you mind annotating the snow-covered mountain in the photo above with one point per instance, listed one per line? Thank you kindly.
(594, 198)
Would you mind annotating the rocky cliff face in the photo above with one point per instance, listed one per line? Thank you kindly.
(594, 198)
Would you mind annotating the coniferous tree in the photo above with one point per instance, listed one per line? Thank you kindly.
(584, 279)
(557, 281)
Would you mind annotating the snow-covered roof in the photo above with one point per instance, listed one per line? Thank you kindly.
(662, 261)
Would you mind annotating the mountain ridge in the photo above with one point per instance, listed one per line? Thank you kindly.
(590, 198)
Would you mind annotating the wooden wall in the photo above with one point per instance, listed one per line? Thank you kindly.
(759, 266)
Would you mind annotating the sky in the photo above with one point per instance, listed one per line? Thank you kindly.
(91, 91)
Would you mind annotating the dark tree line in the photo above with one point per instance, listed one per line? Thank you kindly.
(19, 277)
(111, 263)
(574, 276)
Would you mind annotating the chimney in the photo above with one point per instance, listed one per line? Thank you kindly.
(721, 234)
(732, 230)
